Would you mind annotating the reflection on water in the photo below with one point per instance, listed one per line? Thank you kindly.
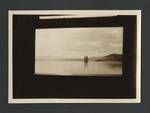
(114, 64)
(85, 65)
(77, 67)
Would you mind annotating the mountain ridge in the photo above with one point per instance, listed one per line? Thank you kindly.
(110, 57)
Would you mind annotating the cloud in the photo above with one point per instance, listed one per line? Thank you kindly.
(76, 42)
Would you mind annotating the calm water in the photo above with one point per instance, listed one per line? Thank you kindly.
(77, 67)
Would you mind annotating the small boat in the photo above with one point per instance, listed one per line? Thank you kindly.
(86, 58)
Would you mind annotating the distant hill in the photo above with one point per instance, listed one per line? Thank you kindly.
(111, 57)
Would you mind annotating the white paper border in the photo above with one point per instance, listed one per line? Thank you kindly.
(79, 12)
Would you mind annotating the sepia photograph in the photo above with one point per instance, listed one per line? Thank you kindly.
(81, 51)
(74, 56)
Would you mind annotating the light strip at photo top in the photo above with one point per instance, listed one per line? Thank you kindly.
(76, 16)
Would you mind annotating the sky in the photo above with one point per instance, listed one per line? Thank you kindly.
(78, 42)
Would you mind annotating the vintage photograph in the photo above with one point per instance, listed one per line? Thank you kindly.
(79, 51)
(74, 56)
